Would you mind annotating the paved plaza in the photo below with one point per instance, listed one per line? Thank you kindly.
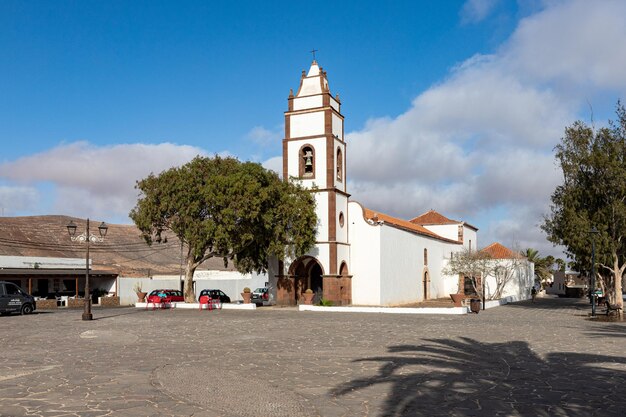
(524, 359)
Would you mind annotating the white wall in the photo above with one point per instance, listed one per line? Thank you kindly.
(232, 283)
(42, 262)
(342, 206)
(310, 102)
(470, 235)
(337, 126)
(520, 284)
(306, 124)
(402, 266)
(449, 231)
(365, 258)
(321, 209)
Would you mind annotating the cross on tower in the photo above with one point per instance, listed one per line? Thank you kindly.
(313, 52)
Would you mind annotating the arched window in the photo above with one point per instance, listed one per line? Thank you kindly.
(339, 165)
(307, 162)
(425, 256)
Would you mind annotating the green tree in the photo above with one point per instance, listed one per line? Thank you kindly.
(593, 194)
(543, 265)
(221, 207)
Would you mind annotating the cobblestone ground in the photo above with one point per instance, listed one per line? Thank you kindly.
(543, 359)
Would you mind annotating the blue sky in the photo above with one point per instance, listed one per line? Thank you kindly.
(460, 101)
(205, 73)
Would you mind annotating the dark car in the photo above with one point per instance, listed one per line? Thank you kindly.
(165, 296)
(262, 297)
(15, 300)
(215, 295)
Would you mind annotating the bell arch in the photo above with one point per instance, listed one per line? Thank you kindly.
(306, 164)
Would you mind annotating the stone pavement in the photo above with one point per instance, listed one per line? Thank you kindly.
(543, 359)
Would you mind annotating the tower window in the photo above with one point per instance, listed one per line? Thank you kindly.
(307, 162)
(425, 256)
(339, 165)
(341, 219)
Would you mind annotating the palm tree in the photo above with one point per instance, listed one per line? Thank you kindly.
(543, 265)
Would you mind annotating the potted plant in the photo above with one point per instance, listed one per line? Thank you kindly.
(246, 294)
(308, 296)
(457, 298)
(141, 296)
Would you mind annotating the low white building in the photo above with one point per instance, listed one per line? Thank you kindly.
(511, 274)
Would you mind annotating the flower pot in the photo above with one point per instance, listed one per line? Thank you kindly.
(457, 299)
(475, 305)
(308, 298)
(246, 297)
(141, 296)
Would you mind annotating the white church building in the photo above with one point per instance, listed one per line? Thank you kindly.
(362, 257)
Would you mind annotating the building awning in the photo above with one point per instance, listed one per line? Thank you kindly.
(42, 273)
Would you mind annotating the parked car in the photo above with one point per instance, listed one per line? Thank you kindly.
(262, 297)
(165, 296)
(15, 300)
(215, 295)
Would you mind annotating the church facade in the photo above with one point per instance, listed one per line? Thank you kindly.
(362, 257)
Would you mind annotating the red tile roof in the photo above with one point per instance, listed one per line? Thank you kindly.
(403, 224)
(498, 251)
(432, 217)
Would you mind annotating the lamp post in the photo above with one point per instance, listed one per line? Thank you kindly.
(593, 232)
(87, 238)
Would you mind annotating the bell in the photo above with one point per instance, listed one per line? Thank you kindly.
(308, 159)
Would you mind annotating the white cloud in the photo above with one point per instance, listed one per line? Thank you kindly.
(474, 11)
(275, 164)
(96, 181)
(573, 45)
(481, 141)
(265, 137)
(16, 198)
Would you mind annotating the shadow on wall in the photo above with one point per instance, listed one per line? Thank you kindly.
(468, 378)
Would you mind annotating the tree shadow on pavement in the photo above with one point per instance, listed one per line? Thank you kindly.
(469, 378)
(611, 330)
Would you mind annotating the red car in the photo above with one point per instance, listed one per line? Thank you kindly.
(165, 296)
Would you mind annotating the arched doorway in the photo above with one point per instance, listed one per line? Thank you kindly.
(425, 285)
(307, 273)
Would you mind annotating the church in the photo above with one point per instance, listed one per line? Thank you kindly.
(361, 257)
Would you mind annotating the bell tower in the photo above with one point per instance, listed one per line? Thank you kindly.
(314, 153)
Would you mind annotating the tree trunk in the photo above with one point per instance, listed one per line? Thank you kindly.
(190, 295)
(616, 298)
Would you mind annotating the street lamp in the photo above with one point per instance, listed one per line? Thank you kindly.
(87, 238)
(593, 232)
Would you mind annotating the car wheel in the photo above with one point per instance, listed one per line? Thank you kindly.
(27, 309)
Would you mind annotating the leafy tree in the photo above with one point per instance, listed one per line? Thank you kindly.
(593, 194)
(221, 207)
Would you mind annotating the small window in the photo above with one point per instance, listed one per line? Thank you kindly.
(425, 256)
(341, 219)
(339, 165)
(12, 289)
